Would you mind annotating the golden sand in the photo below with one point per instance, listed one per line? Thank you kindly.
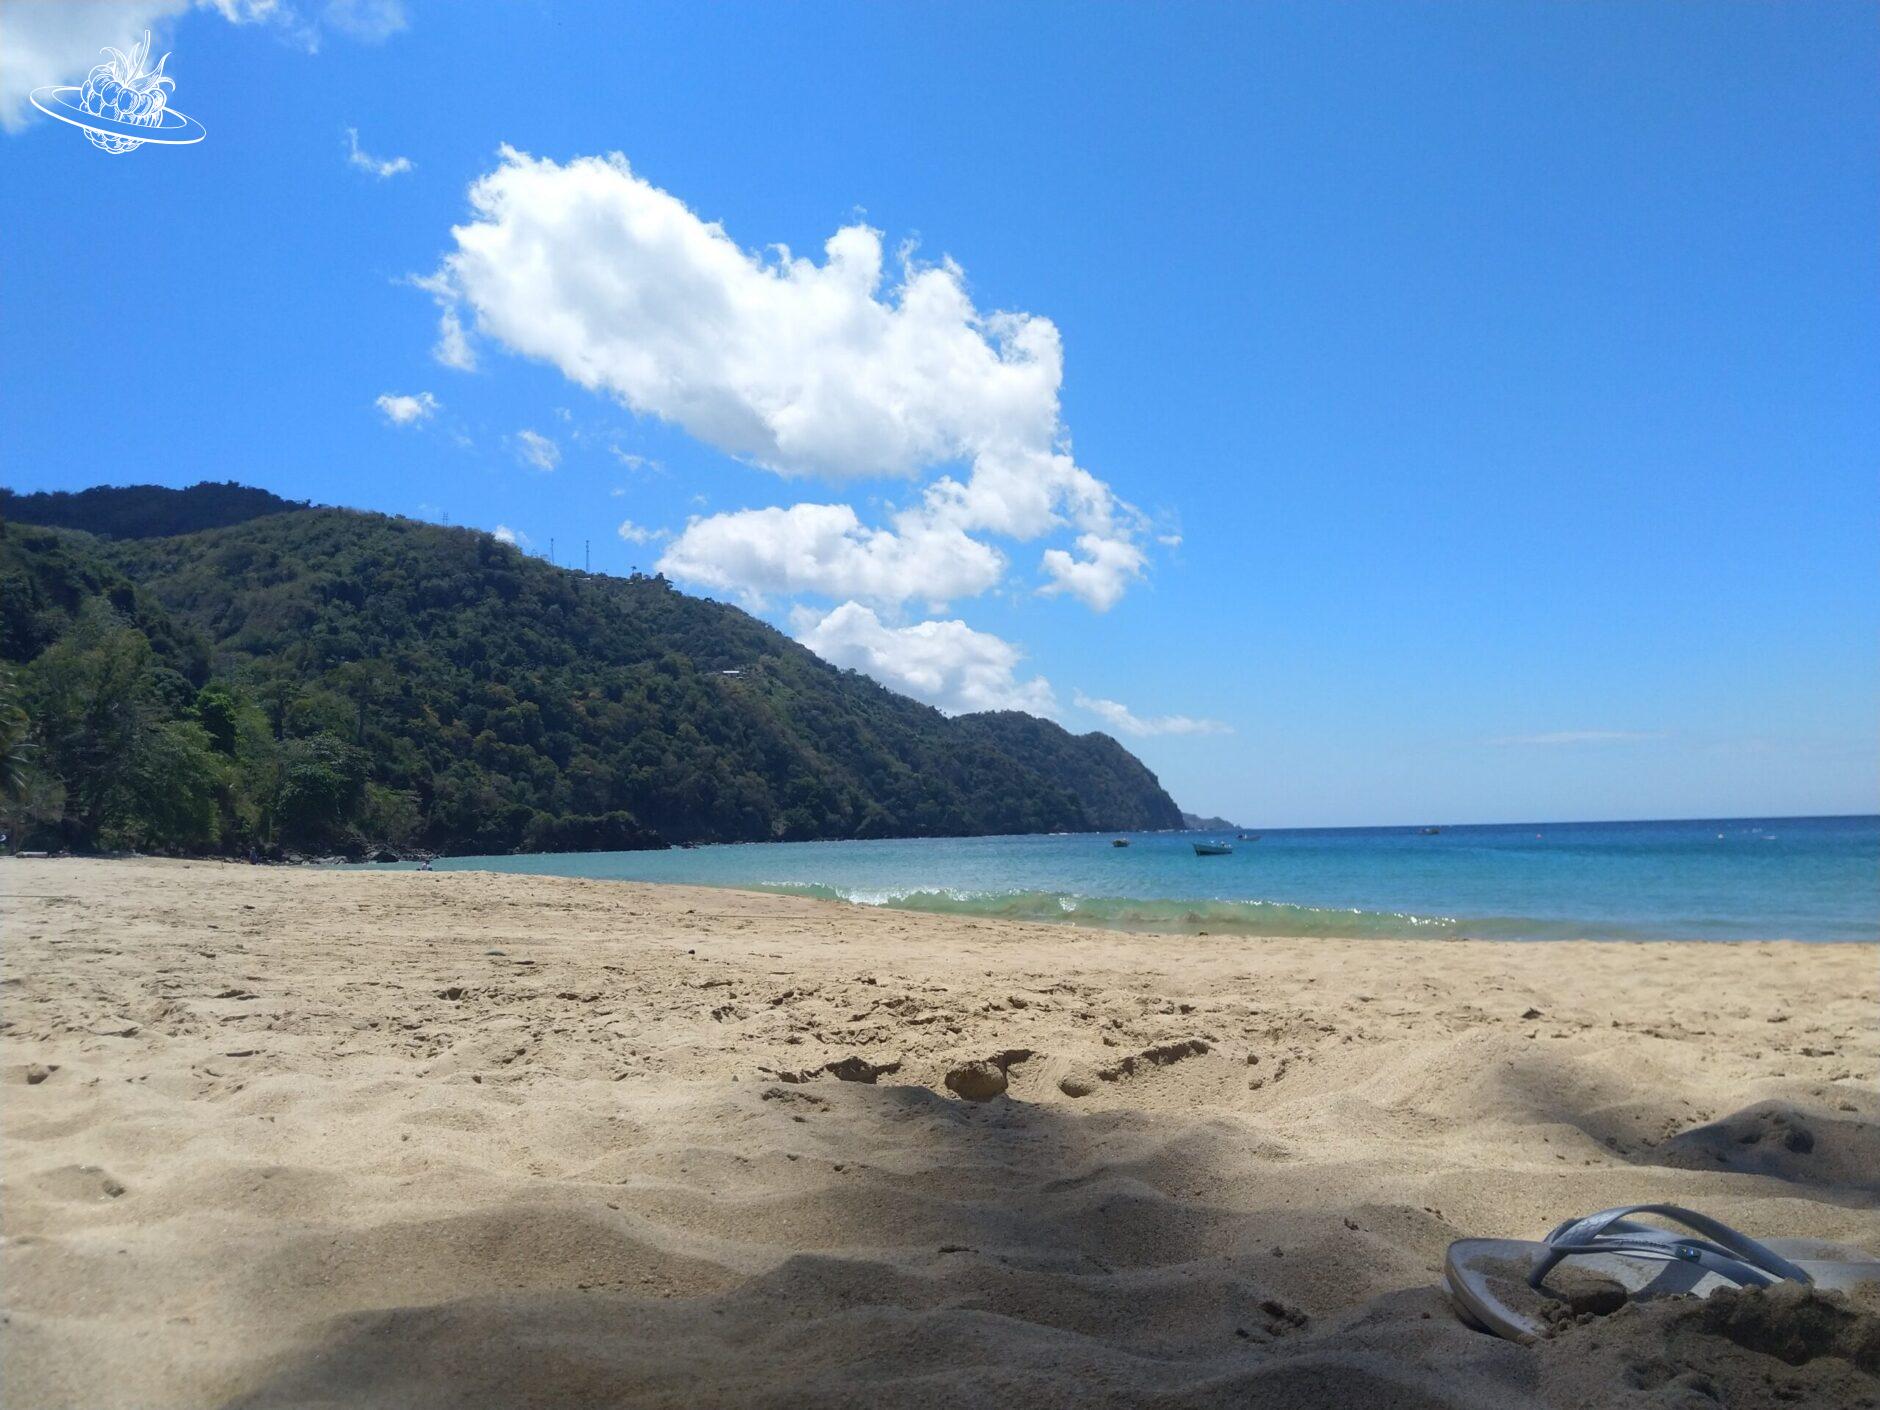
(303, 1137)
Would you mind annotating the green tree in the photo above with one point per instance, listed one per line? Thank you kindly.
(218, 711)
(175, 773)
(322, 785)
(89, 696)
(390, 815)
(15, 747)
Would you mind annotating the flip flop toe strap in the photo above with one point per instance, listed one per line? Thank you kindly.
(1720, 1250)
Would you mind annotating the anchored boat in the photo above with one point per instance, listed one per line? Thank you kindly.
(1213, 849)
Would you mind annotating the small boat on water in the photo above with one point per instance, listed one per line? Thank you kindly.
(1214, 849)
(1247, 837)
(1120, 842)
(1430, 831)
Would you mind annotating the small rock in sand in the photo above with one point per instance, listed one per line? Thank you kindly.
(859, 1069)
(1077, 1084)
(977, 1081)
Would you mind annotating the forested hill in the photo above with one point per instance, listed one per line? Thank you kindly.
(321, 678)
(143, 511)
(1108, 780)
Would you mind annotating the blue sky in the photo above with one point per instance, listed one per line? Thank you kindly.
(1507, 373)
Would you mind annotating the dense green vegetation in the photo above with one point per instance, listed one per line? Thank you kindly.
(322, 679)
(1114, 787)
(143, 511)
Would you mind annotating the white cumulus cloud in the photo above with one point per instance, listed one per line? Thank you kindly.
(1101, 577)
(453, 347)
(947, 664)
(453, 344)
(537, 451)
(825, 549)
(639, 533)
(1119, 716)
(380, 167)
(408, 410)
(505, 534)
(855, 366)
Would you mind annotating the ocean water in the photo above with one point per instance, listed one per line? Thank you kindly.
(1740, 878)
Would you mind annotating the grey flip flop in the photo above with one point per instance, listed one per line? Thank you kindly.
(1516, 1288)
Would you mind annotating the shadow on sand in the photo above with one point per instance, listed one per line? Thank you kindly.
(1828, 1146)
(885, 1245)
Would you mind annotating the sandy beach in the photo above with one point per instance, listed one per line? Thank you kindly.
(284, 1137)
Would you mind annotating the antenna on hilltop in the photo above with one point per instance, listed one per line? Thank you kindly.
(551, 550)
(587, 561)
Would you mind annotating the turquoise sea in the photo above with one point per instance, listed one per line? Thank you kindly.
(1738, 878)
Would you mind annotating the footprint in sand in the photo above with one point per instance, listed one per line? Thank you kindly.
(79, 1184)
(1784, 1140)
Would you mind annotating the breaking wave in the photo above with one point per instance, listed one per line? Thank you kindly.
(1187, 917)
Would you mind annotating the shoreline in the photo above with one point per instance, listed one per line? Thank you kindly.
(804, 892)
(1809, 880)
(480, 1138)
(1228, 916)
